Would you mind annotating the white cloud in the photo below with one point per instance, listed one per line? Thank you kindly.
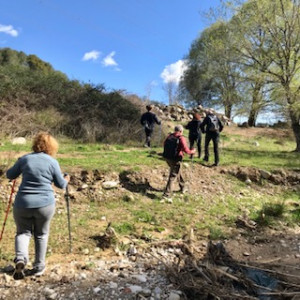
(173, 72)
(9, 29)
(92, 55)
(109, 61)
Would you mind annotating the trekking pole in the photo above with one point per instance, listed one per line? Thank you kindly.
(8, 207)
(69, 220)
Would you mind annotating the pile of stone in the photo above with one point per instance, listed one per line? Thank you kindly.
(178, 113)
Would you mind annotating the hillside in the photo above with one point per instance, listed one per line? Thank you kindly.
(250, 204)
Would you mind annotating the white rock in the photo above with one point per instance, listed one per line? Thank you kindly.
(52, 296)
(248, 181)
(103, 218)
(18, 141)
(132, 250)
(265, 174)
(47, 291)
(157, 292)
(135, 288)
(82, 276)
(113, 285)
(141, 278)
(97, 289)
(86, 251)
(84, 186)
(109, 185)
(174, 296)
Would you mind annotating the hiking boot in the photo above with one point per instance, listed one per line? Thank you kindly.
(184, 190)
(37, 271)
(205, 159)
(215, 165)
(19, 270)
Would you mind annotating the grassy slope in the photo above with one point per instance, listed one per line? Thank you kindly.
(148, 217)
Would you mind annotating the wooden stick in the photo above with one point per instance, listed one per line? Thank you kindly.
(269, 271)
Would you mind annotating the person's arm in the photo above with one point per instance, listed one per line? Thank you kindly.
(183, 146)
(202, 126)
(221, 126)
(58, 179)
(187, 126)
(14, 171)
(142, 119)
(156, 120)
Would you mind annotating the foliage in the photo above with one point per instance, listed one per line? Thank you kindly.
(35, 97)
(255, 51)
(213, 73)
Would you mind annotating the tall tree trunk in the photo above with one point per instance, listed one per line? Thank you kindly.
(256, 103)
(252, 116)
(295, 118)
(228, 109)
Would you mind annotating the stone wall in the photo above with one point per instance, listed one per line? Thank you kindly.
(178, 113)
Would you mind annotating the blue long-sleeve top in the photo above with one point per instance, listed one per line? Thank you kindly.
(39, 171)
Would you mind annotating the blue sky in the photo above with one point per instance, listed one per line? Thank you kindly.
(135, 45)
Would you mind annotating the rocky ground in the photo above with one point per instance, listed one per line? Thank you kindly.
(143, 272)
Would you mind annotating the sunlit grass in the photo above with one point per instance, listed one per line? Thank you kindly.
(213, 216)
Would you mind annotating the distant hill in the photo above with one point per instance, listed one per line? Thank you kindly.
(36, 97)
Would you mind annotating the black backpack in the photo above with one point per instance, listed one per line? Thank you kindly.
(171, 148)
(213, 125)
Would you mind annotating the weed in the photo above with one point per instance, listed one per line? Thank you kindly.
(145, 217)
(216, 233)
(273, 209)
(269, 212)
(124, 228)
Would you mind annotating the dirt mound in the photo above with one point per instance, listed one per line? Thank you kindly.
(278, 177)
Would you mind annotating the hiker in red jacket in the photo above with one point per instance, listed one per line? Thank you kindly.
(174, 148)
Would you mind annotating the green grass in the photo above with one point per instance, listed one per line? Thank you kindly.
(212, 217)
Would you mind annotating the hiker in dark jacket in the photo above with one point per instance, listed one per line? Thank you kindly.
(212, 126)
(175, 164)
(148, 120)
(195, 133)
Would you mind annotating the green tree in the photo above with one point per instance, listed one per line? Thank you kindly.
(269, 42)
(213, 71)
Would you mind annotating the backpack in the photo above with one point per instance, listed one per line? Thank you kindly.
(213, 125)
(171, 147)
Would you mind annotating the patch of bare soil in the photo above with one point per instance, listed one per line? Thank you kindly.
(256, 132)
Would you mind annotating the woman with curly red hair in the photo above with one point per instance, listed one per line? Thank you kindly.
(34, 204)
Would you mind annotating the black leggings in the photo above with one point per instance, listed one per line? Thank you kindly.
(197, 139)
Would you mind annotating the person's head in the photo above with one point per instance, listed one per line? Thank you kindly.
(45, 142)
(178, 128)
(196, 116)
(149, 107)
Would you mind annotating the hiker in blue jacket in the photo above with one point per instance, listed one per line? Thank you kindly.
(148, 120)
(34, 204)
(212, 126)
